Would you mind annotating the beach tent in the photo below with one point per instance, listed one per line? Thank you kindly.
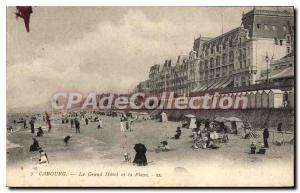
(120, 114)
(132, 115)
(220, 119)
(258, 99)
(163, 117)
(239, 101)
(218, 101)
(291, 98)
(189, 121)
(248, 93)
(234, 125)
(143, 116)
(233, 97)
(251, 101)
(265, 99)
(276, 98)
(225, 102)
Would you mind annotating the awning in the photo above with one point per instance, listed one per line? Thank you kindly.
(227, 83)
(197, 89)
(214, 84)
(288, 72)
(222, 82)
(210, 84)
(203, 87)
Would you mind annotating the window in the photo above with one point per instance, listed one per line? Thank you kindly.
(231, 56)
(258, 26)
(273, 27)
(206, 64)
(206, 52)
(288, 39)
(211, 62)
(284, 28)
(224, 46)
(280, 42)
(288, 49)
(266, 27)
(201, 65)
(276, 41)
(218, 61)
(224, 59)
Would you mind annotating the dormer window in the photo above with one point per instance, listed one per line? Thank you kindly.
(288, 39)
(284, 28)
(281, 42)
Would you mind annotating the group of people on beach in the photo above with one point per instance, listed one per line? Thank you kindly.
(206, 134)
(125, 124)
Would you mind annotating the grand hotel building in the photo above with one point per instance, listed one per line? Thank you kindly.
(233, 59)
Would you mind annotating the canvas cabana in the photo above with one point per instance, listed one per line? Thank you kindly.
(265, 99)
(251, 99)
(291, 98)
(276, 98)
(132, 114)
(234, 125)
(258, 99)
(143, 116)
(189, 121)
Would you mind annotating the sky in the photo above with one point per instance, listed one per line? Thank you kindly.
(100, 49)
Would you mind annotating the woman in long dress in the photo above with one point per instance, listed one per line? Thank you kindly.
(140, 156)
(122, 126)
(100, 125)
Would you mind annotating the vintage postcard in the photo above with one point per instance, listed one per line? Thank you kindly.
(150, 96)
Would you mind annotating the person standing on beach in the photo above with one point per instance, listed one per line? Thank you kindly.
(100, 126)
(77, 125)
(48, 122)
(266, 137)
(32, 125)
(86, 121)
(122, 125)
(25, 124)
(72, 122)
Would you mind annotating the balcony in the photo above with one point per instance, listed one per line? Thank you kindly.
(246, 69)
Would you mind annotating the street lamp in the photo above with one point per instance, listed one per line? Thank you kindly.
(267, 61)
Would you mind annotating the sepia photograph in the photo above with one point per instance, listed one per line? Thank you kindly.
(162, 96)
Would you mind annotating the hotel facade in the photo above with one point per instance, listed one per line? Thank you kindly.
(237, 58)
